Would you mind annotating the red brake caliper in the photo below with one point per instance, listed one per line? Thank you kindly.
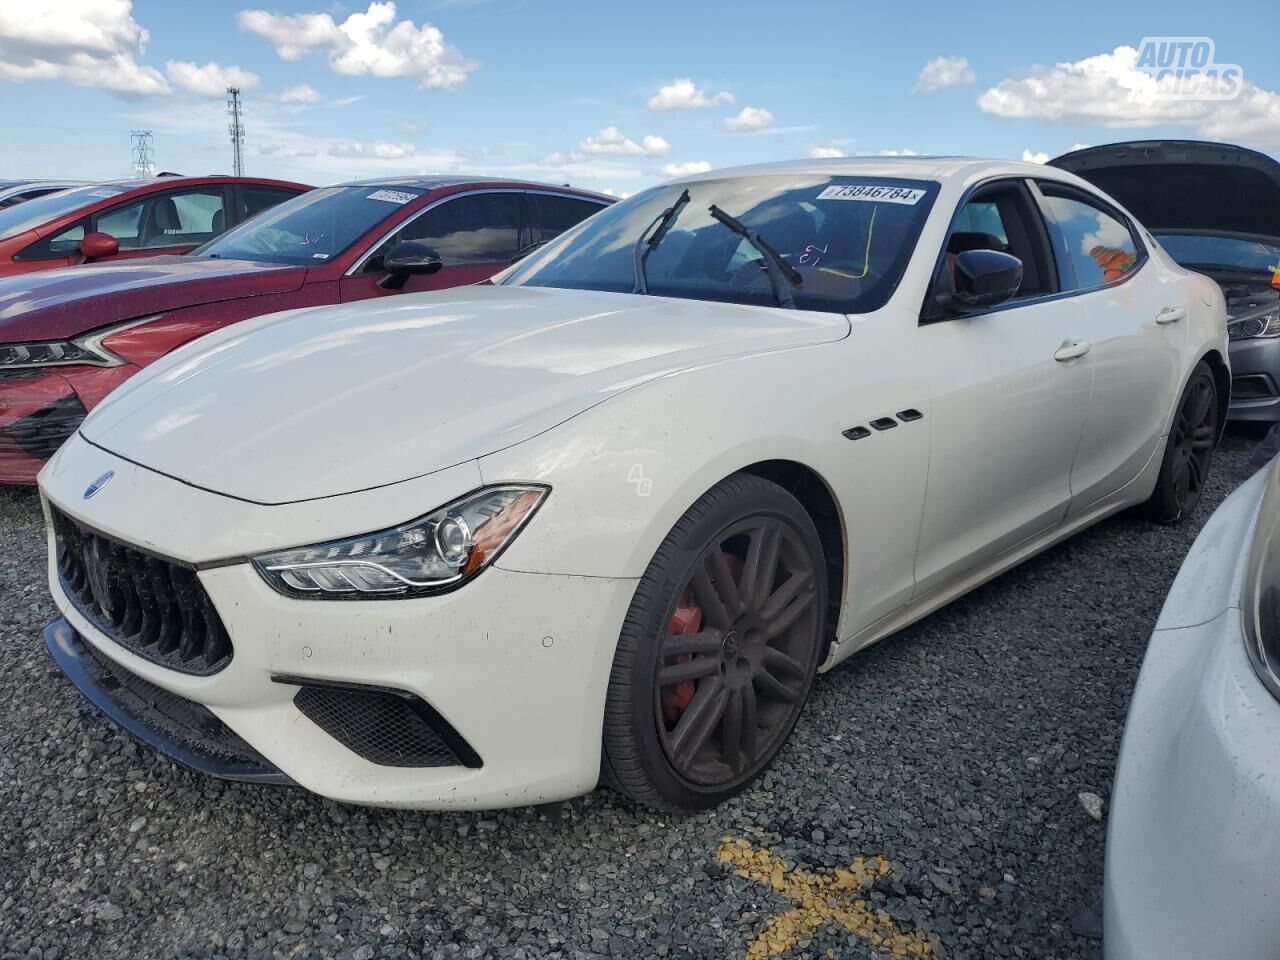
(677, 697)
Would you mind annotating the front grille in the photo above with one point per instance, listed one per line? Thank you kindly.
(387, 727)
(1253, 386)
(155, 608)
(40, 434)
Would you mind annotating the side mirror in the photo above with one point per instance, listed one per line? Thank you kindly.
(405, 260)
(94, 246)
(984, 278)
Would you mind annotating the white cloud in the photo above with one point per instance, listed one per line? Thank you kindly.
(1039, 157)
(825, 153)
(943, 72)
(301, 94)
(749, 119)
(90, 43)
(681, 94)
(411, 127)
(1108, 90)
(685, 169)
(372, 43)
(904, 152)
(611, 140)
(212, 79)
(371, 149)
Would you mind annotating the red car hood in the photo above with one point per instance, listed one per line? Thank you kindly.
(64, 303)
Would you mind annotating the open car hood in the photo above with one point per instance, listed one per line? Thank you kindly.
(1187, 185)
(63, 303)
(323, 401)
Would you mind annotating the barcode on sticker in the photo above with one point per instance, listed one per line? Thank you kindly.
(873, 194)
(392, 196)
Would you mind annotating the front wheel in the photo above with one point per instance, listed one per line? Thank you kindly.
(718, 650)
(1189, 453)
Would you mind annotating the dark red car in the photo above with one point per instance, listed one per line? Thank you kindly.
(125, 219)
(68, 337)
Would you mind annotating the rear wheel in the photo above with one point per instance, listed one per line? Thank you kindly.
(1189, 453)
(719, 648)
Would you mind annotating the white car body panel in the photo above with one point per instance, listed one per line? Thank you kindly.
(1192, 841)
(629, 408)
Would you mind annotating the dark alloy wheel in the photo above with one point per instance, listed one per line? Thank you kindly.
(1189, 453)
(719, 649)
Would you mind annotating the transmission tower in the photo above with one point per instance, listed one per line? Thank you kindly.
(236, 129)
(144, 164)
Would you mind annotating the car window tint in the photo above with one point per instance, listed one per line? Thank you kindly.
(479, 228)
(163, 220)
(981, 216)
(64, 243)
(551, 216)
(253, 200)
(1098, 247)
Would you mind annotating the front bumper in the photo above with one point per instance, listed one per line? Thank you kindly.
(40, 409)
(1255, 380)
(516, 663)
(1193, 842)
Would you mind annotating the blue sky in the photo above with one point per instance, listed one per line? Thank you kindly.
(609, 96)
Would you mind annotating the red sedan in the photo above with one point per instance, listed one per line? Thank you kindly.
(68, 337)
(130, 218)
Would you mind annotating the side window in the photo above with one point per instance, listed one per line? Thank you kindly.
(550, 216)
(998, 217)
(64, 243)
(1095, 246)
(480, 228)
(166, 220)
(253, 200)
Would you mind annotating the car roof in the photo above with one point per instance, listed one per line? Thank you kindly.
(433, 182)
(940, 168)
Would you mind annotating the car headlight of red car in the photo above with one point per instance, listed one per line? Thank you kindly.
(85, 350)
(429, 555)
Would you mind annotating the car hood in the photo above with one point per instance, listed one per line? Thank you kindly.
(329, 400)
(62, 303)
(1187, 185)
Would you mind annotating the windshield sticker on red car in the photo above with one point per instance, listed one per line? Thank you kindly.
(104, 194)
(872, 194)
(392, 196)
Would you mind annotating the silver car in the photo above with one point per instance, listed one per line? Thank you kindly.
(1215, 208)
(1193, 843)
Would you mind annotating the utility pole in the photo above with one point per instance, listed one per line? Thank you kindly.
(144, 164)
(236, 129)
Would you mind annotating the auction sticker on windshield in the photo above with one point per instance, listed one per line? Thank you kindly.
(874, 194)
(392, 196)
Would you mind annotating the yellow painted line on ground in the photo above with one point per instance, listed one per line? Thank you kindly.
(819, 899)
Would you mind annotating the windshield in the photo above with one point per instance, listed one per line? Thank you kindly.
(848, 238)
(40, 210)
(312, 227)
(1235, 253)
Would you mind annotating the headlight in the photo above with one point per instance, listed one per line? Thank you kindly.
(1265, 326)
(437, 552)
(86, 350)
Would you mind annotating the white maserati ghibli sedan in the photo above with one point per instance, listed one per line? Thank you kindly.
(605, 517)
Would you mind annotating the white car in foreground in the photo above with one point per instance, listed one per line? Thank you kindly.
(1193, 842)
(608, 515)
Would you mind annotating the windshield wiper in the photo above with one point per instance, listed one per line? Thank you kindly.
(652, 236)
(783, 277)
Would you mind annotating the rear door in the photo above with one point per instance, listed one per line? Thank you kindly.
(476, 234)
(551, 214)
(1133, 318)
(1009, 398)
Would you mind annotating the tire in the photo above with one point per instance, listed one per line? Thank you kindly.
(1189, 452)
(718, 650)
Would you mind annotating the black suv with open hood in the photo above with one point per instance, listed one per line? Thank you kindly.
(1215, 208)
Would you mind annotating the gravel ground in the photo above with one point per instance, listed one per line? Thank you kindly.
(956, 750)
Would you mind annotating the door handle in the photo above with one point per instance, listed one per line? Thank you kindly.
(1071, 349)
(1171, 315)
